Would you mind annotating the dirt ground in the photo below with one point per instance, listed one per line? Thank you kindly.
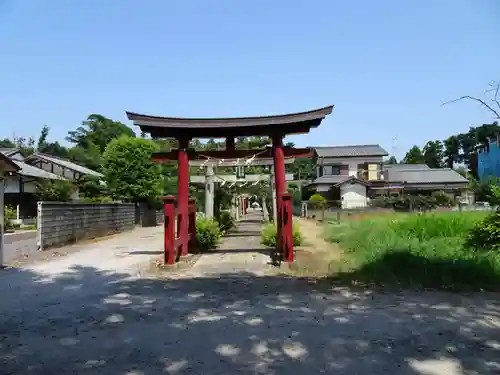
(315, 257)
(94, 312)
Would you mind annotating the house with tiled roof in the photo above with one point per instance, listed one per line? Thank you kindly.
(60, 166)
(352, 174)
(21, 186)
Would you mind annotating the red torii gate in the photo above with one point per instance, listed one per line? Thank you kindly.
(185, 129)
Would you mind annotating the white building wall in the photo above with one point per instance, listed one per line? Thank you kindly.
(30, 187)
(353, 195)
(11, 184)
(351, 162)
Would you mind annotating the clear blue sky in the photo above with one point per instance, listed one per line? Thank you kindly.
(386, 65)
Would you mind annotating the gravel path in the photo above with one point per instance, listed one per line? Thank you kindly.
(91, 313)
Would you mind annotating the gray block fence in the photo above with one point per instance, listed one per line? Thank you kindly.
(60, 223)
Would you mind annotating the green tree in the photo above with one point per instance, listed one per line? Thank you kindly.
(42, 139)
(392, 160)
(129, 172)
(98, 131)
(303, 169)
(25, 145)
(451, 152)
(91, 187)
(433, 154)
(55, 191)
(7, 143)
(414, 156)
(50, 148)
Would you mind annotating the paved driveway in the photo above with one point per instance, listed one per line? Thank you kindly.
(19, 244)
(92, 313)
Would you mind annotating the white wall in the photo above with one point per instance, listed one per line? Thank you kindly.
(12, 185)
(351, 162)
(353, 195)
(58, 170)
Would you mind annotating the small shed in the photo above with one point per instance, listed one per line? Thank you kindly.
(353, 192)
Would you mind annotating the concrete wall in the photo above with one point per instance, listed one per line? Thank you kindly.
(60, 223)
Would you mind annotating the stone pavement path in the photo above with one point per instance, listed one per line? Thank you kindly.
(91, 313)
(239, 252)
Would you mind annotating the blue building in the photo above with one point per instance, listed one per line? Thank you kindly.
(488, 162)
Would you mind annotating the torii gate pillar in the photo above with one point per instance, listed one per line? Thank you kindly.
(183, 194)
(280, 185)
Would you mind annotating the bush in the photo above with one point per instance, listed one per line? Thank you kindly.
(226, 221)
(317, 201)
(55, 191)
(424, 250)
(442, 199)
(408, 202)
(269, 233)
(208, 233)
(486, 234)
(9, 213)
(96, 200)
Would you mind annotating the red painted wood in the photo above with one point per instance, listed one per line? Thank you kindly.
(280, 183)
(183, 197)
(286, 219)
(169, 233)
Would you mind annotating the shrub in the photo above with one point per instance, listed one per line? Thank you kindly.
(9, 213)
(55, 191)
(486, 234)
(226, 221)
(96, 200)
(208, 232)
(269, 233)
(442, 199)
(317, 201)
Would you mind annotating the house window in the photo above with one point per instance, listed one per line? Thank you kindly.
(332, 170)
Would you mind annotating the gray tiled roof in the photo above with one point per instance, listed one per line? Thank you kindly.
(406, 166)
(8, 150)
(330, 179)
(425, 176)
(31, 171)
(63, 163)
(350, 151)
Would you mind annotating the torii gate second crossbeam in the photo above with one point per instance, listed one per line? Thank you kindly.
(275, 127)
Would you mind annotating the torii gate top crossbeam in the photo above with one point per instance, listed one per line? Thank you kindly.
(230, 157)
(175, 127)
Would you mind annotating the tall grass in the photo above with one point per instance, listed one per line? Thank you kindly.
(416, 249)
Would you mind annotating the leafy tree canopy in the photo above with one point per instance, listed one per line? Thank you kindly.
(130, 174)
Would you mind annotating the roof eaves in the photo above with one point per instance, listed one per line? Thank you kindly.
(10, 164)
(64, 163)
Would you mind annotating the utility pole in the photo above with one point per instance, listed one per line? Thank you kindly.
(394, 140)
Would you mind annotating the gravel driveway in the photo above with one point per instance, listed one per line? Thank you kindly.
(91, 313)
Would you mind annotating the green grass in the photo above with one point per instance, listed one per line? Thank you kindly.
(268, 235)
(423, 250)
